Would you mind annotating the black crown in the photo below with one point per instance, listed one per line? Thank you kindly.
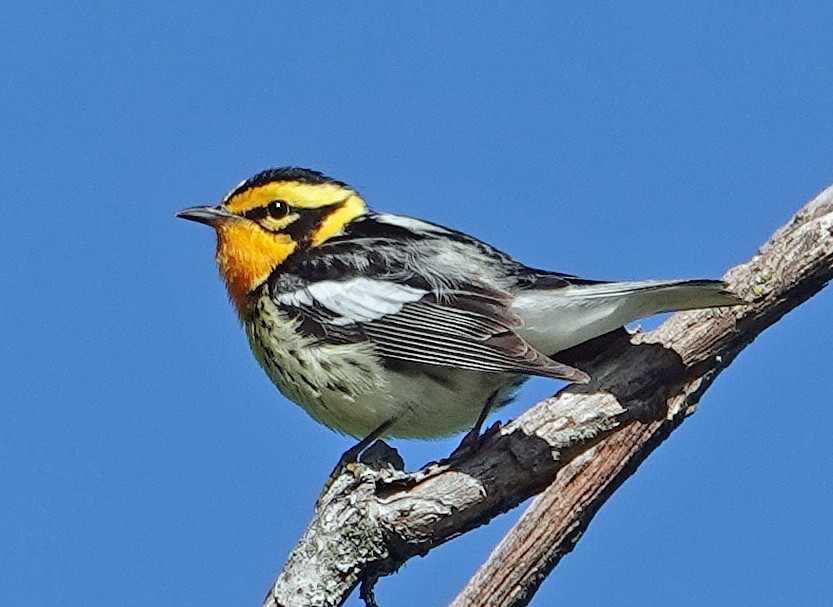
(285, 174)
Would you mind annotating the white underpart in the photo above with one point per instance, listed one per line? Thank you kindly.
(355, 300)
(345, 387)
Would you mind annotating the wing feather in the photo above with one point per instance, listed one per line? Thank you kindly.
(469, 328)
(415, 336)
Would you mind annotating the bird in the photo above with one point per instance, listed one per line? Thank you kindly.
(387, 326)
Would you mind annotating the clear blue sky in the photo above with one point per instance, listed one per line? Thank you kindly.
(144, 457)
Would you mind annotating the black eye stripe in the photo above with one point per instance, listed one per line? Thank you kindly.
(256, 213)
(302, 227)
(275, 209)
(310, 220)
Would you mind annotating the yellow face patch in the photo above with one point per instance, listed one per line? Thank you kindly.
(251, 245)
(333, 223)
(246, 255)
(278, 224)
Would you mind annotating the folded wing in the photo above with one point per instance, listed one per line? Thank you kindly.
(466, 328)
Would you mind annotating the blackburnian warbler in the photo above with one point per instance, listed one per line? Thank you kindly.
(382, 325)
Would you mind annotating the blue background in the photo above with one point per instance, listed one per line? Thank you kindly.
(144, 457)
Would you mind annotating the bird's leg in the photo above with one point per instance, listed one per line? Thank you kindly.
(472, 436)
(351, 456)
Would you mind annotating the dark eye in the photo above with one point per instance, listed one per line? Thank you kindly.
(277, 209)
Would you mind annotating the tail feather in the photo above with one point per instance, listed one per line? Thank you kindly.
(557, 319)
(663, 295)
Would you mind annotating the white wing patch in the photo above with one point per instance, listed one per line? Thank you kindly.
(355, 300)
(299, 298)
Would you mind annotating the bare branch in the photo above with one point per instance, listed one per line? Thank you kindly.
(592, 437)
(790, 268)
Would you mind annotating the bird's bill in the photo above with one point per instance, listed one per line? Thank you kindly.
(207, 215)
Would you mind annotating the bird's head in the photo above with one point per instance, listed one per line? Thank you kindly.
(266, 218)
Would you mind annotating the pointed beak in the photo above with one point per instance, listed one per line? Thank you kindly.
(208, 215)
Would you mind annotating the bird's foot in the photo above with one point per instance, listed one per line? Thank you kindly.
(381, 455)
(378, 456)
(473, 440)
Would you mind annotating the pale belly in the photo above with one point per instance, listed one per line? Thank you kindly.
(346, 387)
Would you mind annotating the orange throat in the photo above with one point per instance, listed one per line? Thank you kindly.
(246, 255)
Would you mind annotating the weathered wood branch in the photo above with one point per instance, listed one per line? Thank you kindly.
(578, 446)
(791, 267)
